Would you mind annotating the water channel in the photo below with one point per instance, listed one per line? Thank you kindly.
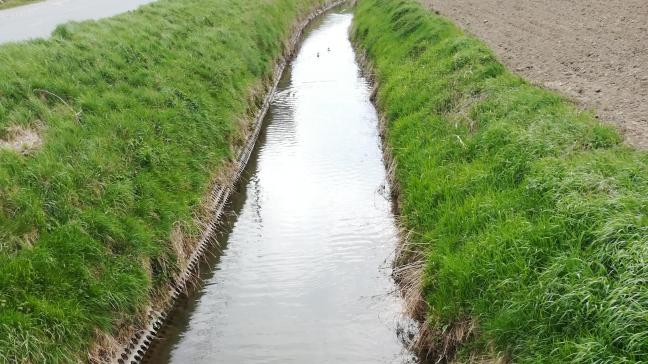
(303, 270)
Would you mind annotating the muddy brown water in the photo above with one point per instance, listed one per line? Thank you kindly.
(38, 20)
(302, 273)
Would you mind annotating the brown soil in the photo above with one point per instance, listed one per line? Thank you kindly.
(593, 51)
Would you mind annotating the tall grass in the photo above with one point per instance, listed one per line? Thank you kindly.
(137, 115)
(532, 216)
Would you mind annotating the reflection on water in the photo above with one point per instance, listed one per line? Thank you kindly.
(40, 19)
(303, 271)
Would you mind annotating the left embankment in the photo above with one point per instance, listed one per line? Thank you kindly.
(113, 137)
(6, 4)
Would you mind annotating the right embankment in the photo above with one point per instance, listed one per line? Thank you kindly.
(531, 216)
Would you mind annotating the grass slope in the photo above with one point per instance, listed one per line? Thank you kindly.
(5, 4)
(86, 219)
(532, 217)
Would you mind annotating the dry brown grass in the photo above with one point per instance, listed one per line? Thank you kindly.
(21, 139)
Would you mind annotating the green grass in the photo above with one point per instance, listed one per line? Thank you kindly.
(5, 4)
(85, 221)
(532, 216)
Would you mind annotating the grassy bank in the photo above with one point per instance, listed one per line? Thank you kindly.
(5, 4)
(531, 216)
(111, 133)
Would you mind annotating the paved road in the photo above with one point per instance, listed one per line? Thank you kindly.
(40, 19)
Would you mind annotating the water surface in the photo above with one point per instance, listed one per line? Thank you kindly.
(303, 270)
(38, 20)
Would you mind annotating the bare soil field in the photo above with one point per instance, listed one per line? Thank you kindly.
(593, 51)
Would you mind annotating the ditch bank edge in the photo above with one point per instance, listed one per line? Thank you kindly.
(140, 339)
(409, 260)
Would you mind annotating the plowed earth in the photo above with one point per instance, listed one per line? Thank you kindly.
(594, 51)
